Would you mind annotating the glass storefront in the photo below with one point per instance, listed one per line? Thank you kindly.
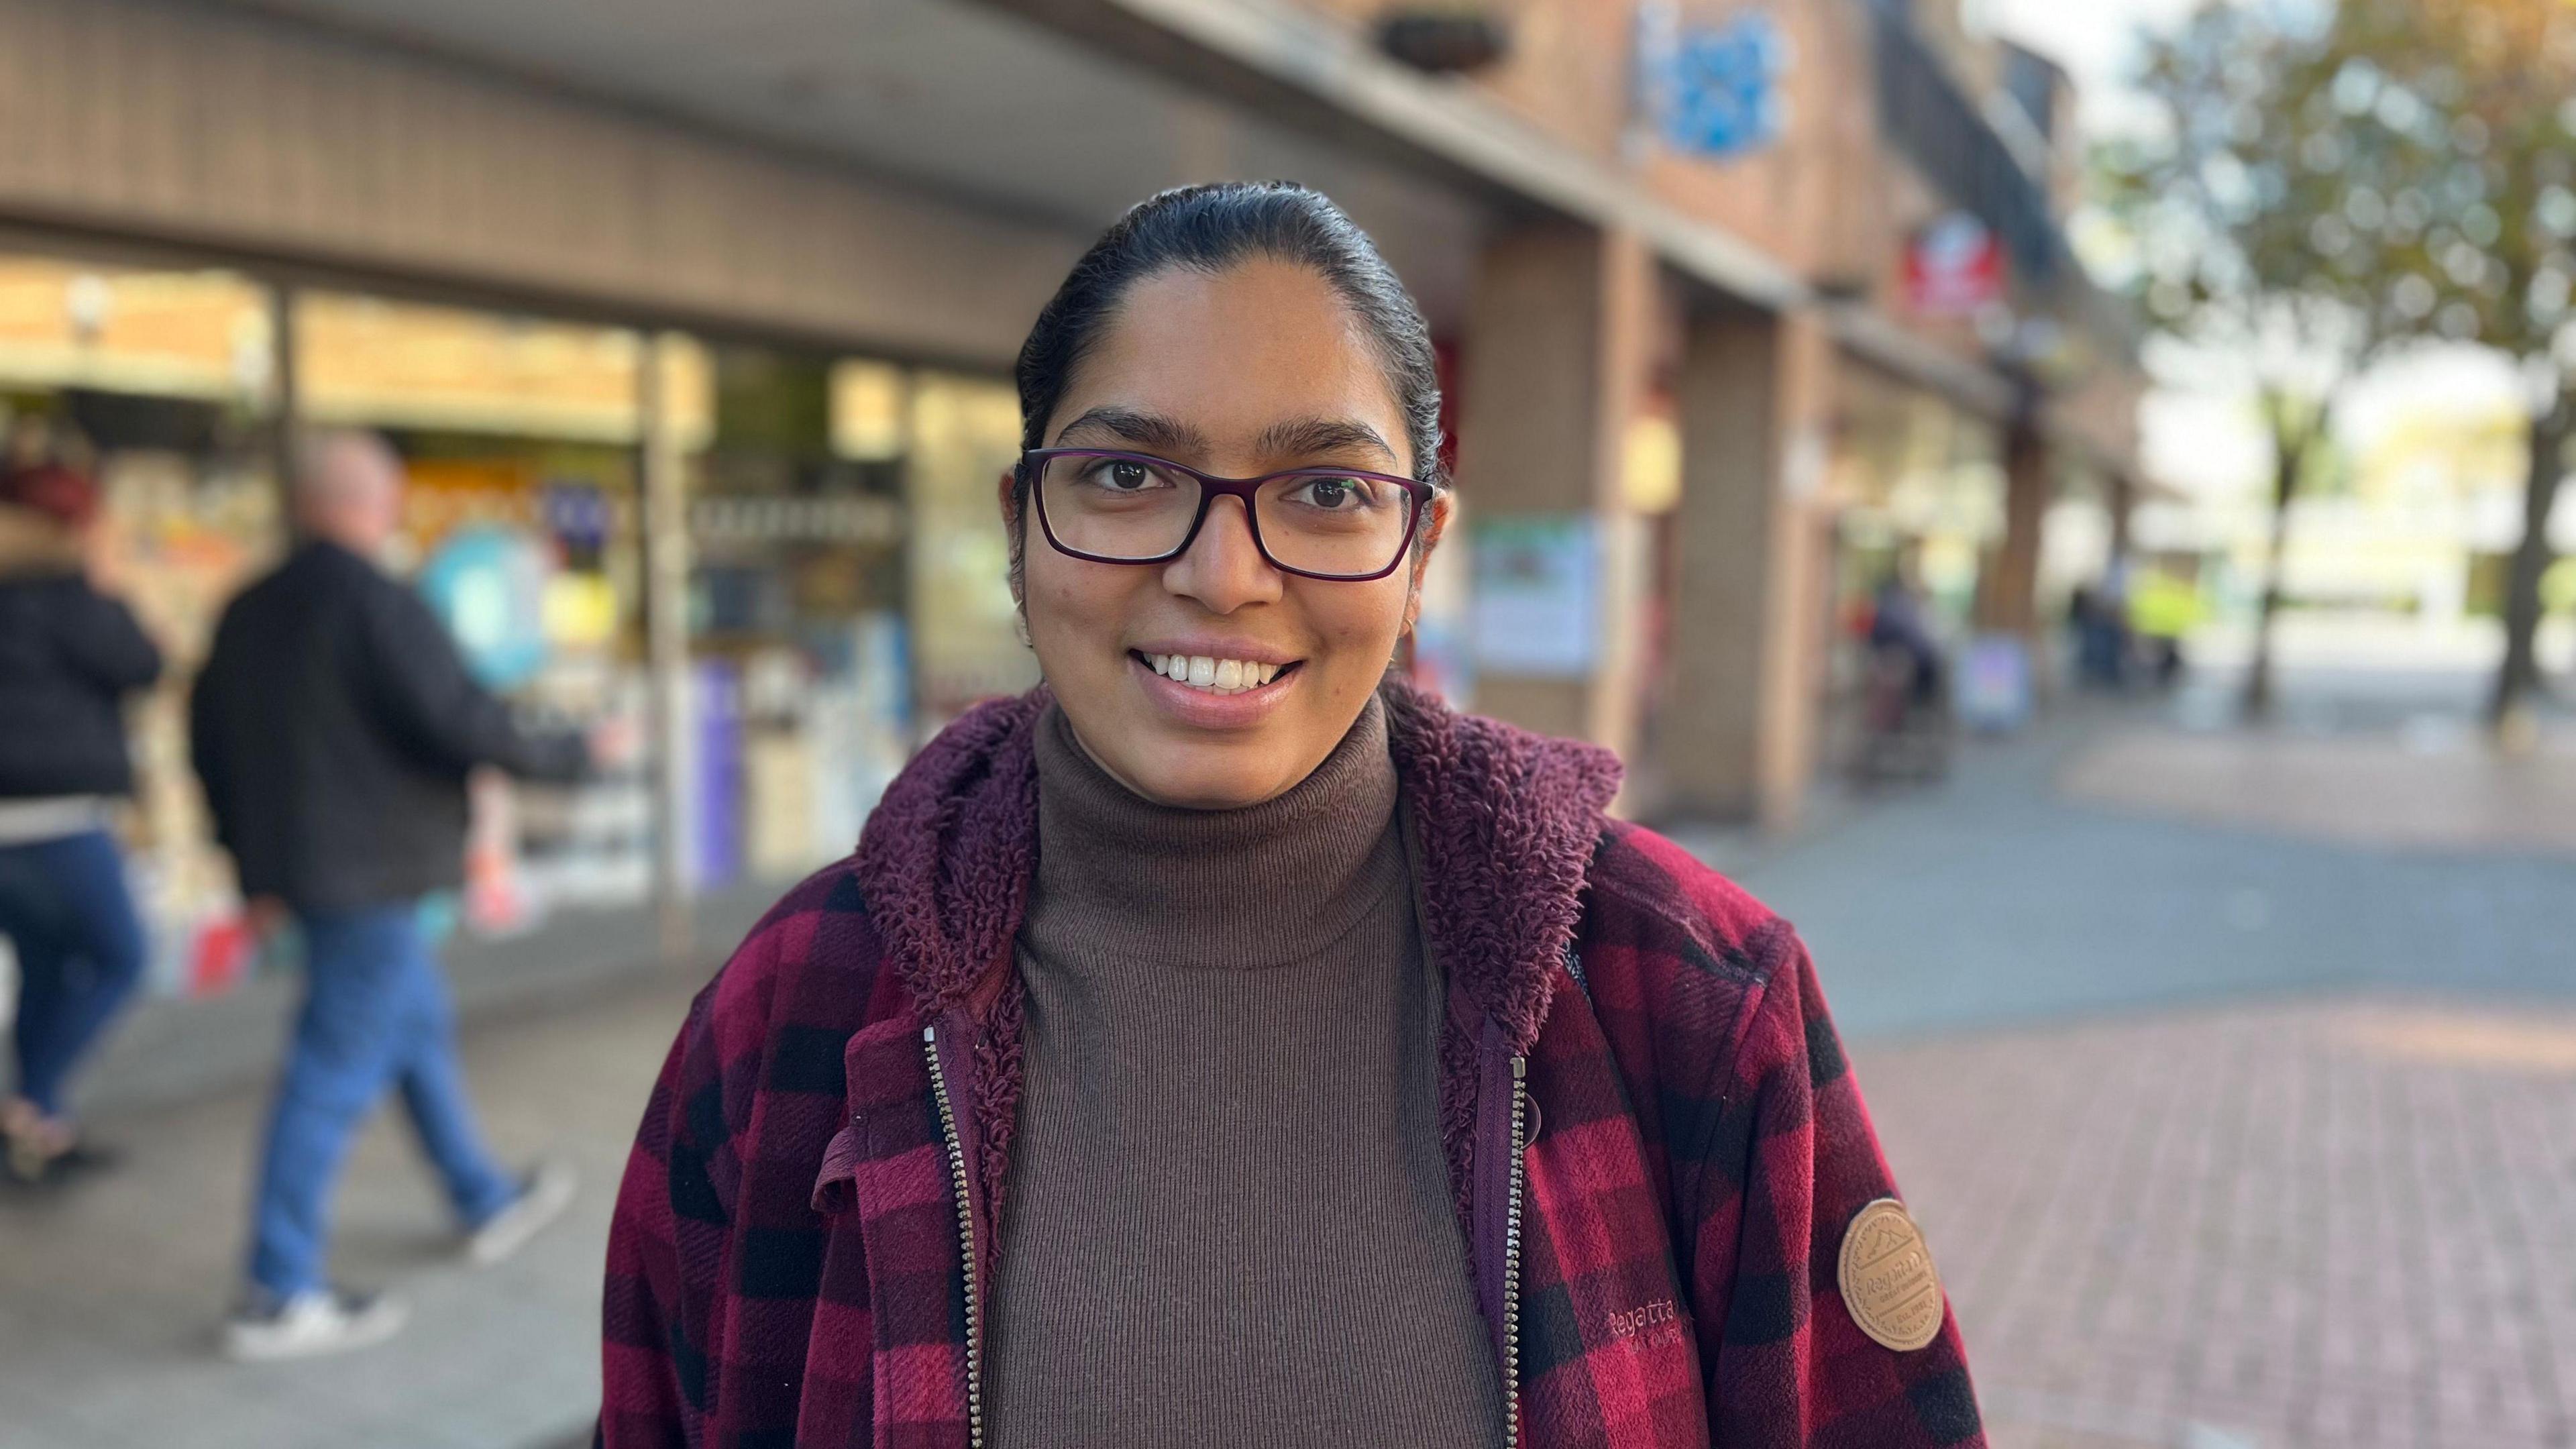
(521, 528)
(799, 696)
(966, 435)
(1917, 491)
(162, 383)
(844, 574)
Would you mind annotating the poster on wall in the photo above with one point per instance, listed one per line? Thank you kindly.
(1537, 601)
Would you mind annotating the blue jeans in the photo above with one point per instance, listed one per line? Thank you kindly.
(375, 1015)
(65, 910)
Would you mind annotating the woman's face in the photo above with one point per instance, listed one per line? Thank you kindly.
(1249, 371)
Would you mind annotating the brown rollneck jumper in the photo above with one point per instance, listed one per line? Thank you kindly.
(1230, 1220)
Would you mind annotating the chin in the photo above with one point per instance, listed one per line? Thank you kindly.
(1201, 778)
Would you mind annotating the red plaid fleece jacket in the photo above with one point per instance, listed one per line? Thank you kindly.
(805, 1237)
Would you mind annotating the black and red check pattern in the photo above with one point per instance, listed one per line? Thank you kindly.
(785, 1265)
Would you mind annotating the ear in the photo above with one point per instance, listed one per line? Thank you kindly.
(1006, 493)
(1437, 523)
(1434, 524)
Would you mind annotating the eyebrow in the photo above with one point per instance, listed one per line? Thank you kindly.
(1150, 430)
(1298, 437)
(1320, 435)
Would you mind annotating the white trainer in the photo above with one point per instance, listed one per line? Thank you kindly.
(313, 1323)
(541, 1200)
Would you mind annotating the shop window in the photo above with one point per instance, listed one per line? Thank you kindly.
(800, 689)
(159, 382)
(522, 527)
(966, 436)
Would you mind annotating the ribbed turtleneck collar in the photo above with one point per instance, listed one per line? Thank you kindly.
(1173, 887)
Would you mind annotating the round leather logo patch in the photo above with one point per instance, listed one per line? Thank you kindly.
(1887, 1277)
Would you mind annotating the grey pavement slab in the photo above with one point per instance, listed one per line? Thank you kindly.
(1990, 898)
(110, 1294)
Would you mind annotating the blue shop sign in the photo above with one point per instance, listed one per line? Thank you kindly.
(1712, 90)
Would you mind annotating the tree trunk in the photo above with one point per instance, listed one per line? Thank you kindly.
(2545, 465)
(2288, 454)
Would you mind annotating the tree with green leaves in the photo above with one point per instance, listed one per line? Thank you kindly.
(2225, 202)
(2459, 186)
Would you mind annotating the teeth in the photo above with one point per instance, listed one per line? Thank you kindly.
(1217, 676)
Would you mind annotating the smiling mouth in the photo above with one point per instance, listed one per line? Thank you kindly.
(1212, 675)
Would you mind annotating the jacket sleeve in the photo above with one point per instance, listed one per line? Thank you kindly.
(419, 682)
(206, 737)
(104, 645)
(662, 1306)
(1792, 1366)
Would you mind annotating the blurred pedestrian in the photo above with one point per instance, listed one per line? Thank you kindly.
(1228, 1042)
(2162, 609)
(334, 726)
(70, 653)
(1900, 624)
(2101, 628)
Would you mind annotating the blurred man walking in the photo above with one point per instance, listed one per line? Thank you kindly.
(334, 726)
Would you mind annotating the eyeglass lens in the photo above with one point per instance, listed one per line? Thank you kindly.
(1314, 522)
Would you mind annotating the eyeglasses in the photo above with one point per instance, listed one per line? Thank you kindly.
(1133, 508)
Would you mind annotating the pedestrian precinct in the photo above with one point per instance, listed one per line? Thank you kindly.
(334, 725)
(70, 654)
(1227, 1043)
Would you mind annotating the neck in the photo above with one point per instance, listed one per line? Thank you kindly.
(1258, 886)
(363, 542)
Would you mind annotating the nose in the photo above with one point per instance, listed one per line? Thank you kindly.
(1223, 569)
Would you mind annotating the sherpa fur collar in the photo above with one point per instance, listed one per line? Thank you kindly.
(1506, 822)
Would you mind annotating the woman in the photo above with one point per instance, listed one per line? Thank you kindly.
(69, 654)
(1228, 1044)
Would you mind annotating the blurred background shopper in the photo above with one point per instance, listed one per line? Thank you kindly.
(1228, 1043)
(70, 653)
(334, 726)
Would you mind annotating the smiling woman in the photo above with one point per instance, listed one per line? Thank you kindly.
(1226, 1043)
(1240, 403)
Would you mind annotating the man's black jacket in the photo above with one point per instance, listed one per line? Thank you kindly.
(334, 724)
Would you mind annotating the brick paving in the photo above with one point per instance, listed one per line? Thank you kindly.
(2330, 1223)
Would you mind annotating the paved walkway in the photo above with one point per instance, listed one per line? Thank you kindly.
(2433, 787)
(2223, 1136)
(1995, 898)
(109, 1296)
(2339, 1224)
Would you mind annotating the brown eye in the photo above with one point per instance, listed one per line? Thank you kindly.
(1333, 495)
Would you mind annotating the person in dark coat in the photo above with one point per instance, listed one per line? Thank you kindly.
(334, 726)
(70, 653)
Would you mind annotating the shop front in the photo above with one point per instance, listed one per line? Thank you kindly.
(841, 564)
(1915, 487)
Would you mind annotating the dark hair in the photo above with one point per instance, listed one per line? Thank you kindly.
(66, 495)
(1211, 228)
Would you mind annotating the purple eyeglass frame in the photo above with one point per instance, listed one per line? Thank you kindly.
(1033, 464)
